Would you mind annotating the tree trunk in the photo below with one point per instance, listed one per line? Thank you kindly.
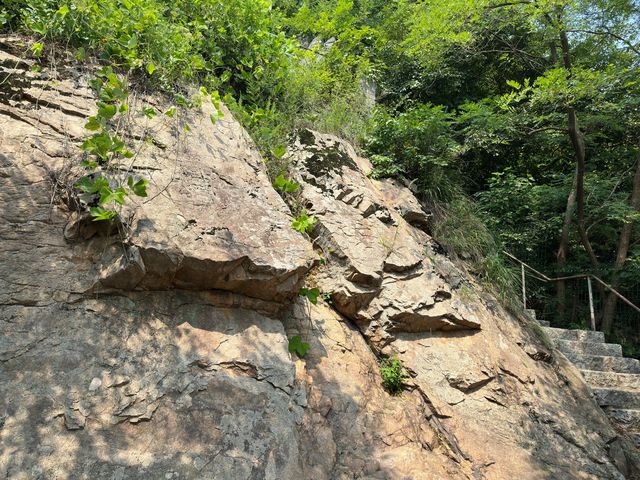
(563, 248)
(621, 255)
(577, 141)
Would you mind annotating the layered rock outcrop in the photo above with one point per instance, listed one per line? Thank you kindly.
(159, 350)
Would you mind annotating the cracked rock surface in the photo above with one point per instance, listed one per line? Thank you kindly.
(165, 356)
(476, 368)
(211, 220)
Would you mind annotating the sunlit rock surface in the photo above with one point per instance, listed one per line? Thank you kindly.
(160, 351)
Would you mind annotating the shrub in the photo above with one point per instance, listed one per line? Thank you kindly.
(393, 375)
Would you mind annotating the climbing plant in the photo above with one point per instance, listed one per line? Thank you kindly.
(303, 222)
(103, 191)
(297, 346)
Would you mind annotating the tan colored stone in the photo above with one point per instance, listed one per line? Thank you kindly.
(163, 354)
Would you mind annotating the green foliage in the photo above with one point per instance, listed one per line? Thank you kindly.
(537, 330)
(393, 375)
(297, 346)
(460, 229)
(471, 102)
(304, 223)
(415, 144)
(138, 187)
(149, 112)
(501, 279)
(103, 193)
(311, 294)
(167, 40)
(285, 186)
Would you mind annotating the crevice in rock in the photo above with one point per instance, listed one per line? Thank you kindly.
(469, 386)
(51, 104)
(447, 438)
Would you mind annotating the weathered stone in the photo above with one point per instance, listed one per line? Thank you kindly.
(162, 353)
(378, 268)
(211, 219)
(470, 360)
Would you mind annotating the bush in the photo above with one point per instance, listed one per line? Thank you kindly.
(210, 41)
(393, 375)
(270, 83)
(416, 144)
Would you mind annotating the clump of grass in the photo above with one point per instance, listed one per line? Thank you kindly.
(460, 229)
(501, 280)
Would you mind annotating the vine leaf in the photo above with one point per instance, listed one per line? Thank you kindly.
(93, 124)
(106, 110)
(107, 195)
(297, 346)
(139, 187)
(311, 293)
(149, 112)
(100, 213)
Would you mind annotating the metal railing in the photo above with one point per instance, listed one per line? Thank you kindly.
(587, 276)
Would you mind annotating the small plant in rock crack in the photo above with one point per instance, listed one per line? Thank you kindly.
(326, 296)
(102, 194)
(297, 346)
(283, 185)
(393, 375)
(304, 223)
(311, 294)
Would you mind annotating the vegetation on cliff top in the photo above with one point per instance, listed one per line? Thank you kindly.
(516, 122)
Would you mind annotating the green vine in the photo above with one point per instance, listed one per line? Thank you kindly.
(302, 222)
(103, 194)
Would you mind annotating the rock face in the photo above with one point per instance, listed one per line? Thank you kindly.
(159, 350)
(487, 378)
(379, 274)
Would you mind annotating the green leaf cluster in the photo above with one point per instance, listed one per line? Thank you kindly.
(102, 193)
(285, 186)
(304, 223)
(311, 294)
(297, 346)
(393, 375)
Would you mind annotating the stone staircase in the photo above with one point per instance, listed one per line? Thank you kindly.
(614, 379)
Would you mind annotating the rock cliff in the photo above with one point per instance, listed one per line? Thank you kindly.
(158, 349)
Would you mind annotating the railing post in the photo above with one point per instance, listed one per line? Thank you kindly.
(524, 288)
(593, 317)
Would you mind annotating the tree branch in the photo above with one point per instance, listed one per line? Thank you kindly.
(631, 46)
(544, 129)
(507, 4)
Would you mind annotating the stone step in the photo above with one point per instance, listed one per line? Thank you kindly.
(598, 379)
(604, 363)
(575, 335)
(628, 419)
(617, 397)
(589, 348)
(544, 323)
